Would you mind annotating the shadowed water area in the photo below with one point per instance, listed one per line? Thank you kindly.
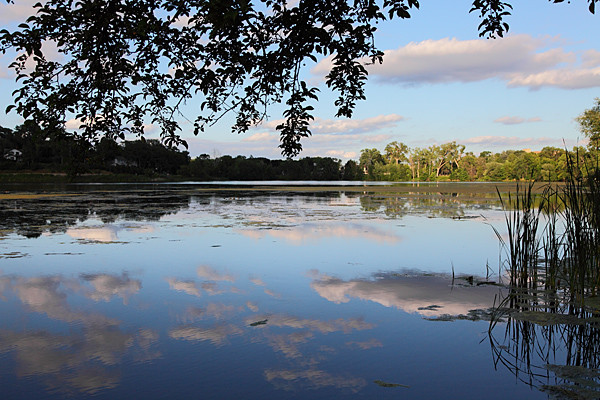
(241, 291)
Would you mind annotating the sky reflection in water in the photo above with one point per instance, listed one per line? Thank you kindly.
(275, 295)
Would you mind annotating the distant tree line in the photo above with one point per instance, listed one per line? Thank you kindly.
(450, 162)
(259, 168)
(30, 147)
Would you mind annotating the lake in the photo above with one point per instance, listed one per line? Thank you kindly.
(260, 291)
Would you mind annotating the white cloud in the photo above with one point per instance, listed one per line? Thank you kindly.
(341, 154)
(377, 139)
(339, 145)
(355, 125)
(269, 149)
(182, 21)
(4, 71)
(151, 130)
(564, 78)
(332, 139)
(520, 60)
(591, 59)
(17, 12)
(261, 137)
(514, 120)
(49, 48)
(321, 125)
(73, 124)
(510, 142)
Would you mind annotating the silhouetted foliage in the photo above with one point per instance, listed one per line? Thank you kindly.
(58, 150)
(248, 169)
(126, 62)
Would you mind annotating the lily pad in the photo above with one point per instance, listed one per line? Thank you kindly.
(593, 303)
(547, 319)
(257, 323)
(13, 254)
(389, 385)
(578, 382)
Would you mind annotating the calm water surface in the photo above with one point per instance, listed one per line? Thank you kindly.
(167, 291)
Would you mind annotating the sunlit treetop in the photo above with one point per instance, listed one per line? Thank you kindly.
(589, 124)
(127, 62)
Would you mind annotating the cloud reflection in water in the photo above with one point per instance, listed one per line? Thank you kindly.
(86, 358)
(312, 378)
(313, 232)
(217, 335)
(427, 295)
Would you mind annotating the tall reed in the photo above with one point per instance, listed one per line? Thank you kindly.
(552, 257)
(556, 245)
(522, 243)
(574, 250)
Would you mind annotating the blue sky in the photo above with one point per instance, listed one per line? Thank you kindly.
(439, 82)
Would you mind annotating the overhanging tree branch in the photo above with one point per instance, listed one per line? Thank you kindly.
(125, 61)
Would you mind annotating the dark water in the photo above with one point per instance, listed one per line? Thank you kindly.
(169, 292)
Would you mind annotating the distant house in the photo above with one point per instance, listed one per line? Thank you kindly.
(13, 155)
(123, 162)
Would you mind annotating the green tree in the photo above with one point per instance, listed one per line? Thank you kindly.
(107, 150)
(352, 171)
(589, 125)
(395, 152)
(369, 158)
(551, 153)
(151, 156)
(447, 155)
(419, 161)
(548, 161)
(524, 166)
(456, 154)
(471, 165)
(396, 172)
(485, 155)
(495, 171)
(240, 56)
